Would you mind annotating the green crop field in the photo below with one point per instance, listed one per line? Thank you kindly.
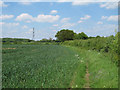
(40, 66)
(55, 66)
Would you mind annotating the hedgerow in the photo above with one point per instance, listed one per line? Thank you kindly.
(102, 44)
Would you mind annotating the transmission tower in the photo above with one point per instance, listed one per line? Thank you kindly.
(33, 34)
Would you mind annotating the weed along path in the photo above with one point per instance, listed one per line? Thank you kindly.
(87, 84)
(55, 66)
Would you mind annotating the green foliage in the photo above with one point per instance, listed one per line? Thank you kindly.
(81, 35)
(47, 40)
(64, 35)
(44, 40)
(90, 37)
(114, 46)
(102, 44)
(97, 36)
(15, 41)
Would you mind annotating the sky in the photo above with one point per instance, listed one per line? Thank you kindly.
(93, 18)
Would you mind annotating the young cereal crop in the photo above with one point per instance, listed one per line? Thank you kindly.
(41, 66)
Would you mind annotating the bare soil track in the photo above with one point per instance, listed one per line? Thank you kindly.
(87, 84)
(8, 48)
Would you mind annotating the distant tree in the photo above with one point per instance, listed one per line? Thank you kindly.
(97, 36)
(44, 40)
(30, 40)
(75, 36)
(81, 35)
(111, 36)
(91, 37)
(50, 40)
(64, 35)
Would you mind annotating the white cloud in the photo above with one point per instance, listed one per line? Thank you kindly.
(25, 3)
(102, 30)
(87, 0)
(65, 20)
(110, 18)
(113, 18)
(29, 31)
(53, 11)
(55, 25)
(28, 0)
(28, 21)
(25, 27)
(62, 0)
(12, 24)
(104, 17)
(3, 17)
(1, 23)
(24, 16)
(80, 21)
(73, 0)
(80, 3)
(67, 25)
(37, 0)
(99, 22)
(46, 18)
(9, 24)
(54, 30)
(108, 29)
(109, 5)
(2, 4)
(85, 17)
(40, 18)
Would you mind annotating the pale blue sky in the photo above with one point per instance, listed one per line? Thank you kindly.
(49, 17)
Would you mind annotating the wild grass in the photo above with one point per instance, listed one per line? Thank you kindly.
(103, 72)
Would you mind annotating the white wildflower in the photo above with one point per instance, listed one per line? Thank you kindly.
(81, 61)
(88, 50)
(76, 85)
(76, 55)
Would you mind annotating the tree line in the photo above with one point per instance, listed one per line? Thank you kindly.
(66, 34)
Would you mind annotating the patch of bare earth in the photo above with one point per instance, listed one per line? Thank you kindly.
(87, 84)
(34, 50)
(8, 48)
